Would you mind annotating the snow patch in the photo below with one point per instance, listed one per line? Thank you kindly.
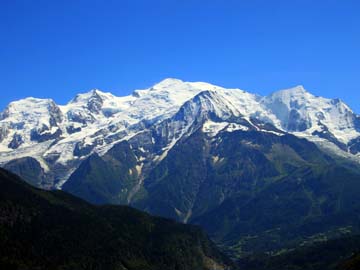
(234, 126)
(213, 128)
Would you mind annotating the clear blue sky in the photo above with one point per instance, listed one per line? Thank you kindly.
(58, 48)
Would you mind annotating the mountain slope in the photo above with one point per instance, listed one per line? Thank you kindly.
(53, 230)
(106, 179)
(254, 189)
(325, 255)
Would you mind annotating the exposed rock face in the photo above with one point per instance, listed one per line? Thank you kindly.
(354, 146)
(84, 149)
(44, 134)
(4, 131)
(16, 141)
(56, 116)
(296, 123)
(71, 129)
(95, 103)
(29, 168)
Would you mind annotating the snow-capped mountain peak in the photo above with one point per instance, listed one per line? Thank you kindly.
(171, 84)
(167, 83)
(287, 96)
(30, 110)
(84, 98)
(293, 91)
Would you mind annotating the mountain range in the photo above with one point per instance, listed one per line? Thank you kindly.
(260, 174)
